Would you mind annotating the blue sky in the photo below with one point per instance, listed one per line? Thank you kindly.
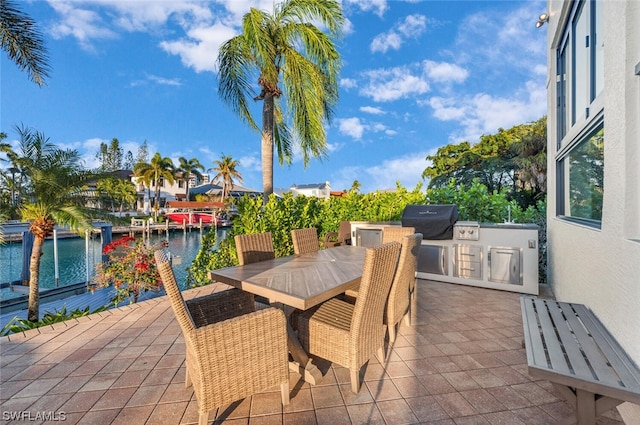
(416, 75)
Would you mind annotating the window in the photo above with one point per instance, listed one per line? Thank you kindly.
(583, 173)
(580, 66)
(580, 115)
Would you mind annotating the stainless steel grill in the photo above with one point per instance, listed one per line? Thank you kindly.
(435, 222)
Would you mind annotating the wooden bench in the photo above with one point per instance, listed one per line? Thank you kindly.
(567, 345)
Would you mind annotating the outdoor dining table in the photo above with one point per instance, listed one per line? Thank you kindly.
(299, 282)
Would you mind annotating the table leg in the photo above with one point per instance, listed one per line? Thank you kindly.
(301, 364)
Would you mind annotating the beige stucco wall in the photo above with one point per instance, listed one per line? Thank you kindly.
(601, 268)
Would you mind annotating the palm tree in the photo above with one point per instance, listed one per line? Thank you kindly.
(187, 168)
(23, 42)
(116, 190)
(55, 197)
(285, 48)
(226, 171)
(531, 159)
(159, 169)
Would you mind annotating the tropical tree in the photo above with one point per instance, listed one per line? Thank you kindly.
(110, 156)
(513, 159)
(11, 179)
(116, 191)
(23, 42)
(187, 168)
(159, 169)
(289, 58)
(356, 187)
(226, 170)
(531, 160)
(56, 195)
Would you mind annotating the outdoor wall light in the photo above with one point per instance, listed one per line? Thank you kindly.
(542, 19)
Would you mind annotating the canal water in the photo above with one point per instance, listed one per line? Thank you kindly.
(72, 265)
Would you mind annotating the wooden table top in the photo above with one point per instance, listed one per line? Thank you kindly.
(299, 281)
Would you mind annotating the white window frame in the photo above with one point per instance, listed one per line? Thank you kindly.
(573, 125)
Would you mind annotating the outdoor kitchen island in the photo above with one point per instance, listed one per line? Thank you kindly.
(489, 255)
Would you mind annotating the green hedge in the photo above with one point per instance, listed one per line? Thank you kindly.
(280, 215)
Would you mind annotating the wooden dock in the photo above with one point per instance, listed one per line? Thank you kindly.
(13, 230)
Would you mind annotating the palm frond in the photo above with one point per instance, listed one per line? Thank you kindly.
(23, 42)
(234, 85)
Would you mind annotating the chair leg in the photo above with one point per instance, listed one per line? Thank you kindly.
(381, 355)
(204, 418)
(355, 381)
(284, 390)
(392, 333)
(407, 317)
(187, 380)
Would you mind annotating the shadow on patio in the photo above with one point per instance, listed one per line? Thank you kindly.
(461, 362)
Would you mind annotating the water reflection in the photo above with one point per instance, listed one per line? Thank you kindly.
(72, 259)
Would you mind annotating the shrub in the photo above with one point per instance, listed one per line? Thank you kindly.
(280, 215)
(131, 269)
(20, 325)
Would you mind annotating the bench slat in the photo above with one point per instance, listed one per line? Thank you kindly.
(553, 344)
(593, 353)
(620, 362)
(533, 337)
(576, 359)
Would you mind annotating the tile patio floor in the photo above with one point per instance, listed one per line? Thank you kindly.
(461, 362)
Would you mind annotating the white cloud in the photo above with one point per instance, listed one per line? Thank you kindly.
(348, 83)
(494, 40)
(446, 109)
(377, 6)
(392, 84)
(378, 127)
(165, 81)
(351, 127)
(412, 26)
(91, 21)
(200, 49)
(149, 15)
(251, 162)
(82, 24)
(372, 110)
(484, 114)
(444, 72)
(406, 169)
(385, 41)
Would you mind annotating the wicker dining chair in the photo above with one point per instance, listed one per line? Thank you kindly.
(396, 233)
(305, 240)
(254, 247)
(341, 237)
(349, 334)
(232, 351)
(389, 234)
(399, 301)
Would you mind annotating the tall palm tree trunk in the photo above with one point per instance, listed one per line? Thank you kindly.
(267, 147)
(33, 314)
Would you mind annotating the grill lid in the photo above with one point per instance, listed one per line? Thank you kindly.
(433, 221)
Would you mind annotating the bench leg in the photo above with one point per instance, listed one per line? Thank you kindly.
(587, 406)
